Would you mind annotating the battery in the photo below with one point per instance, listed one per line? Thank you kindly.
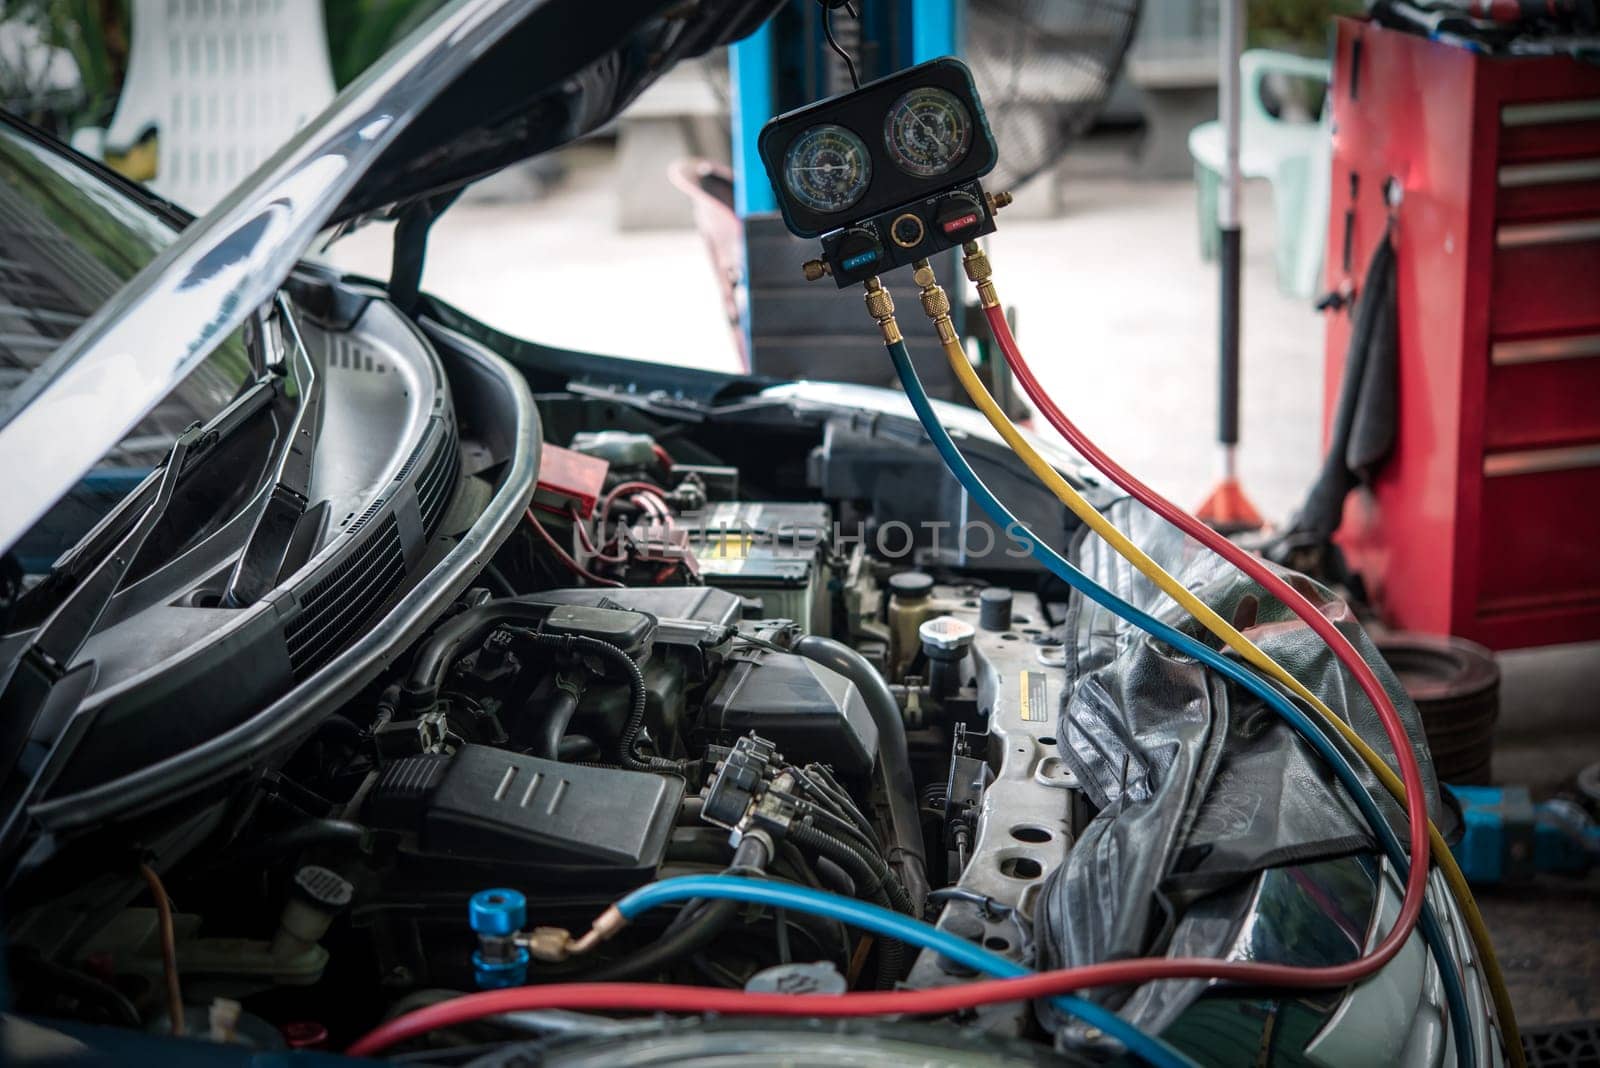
(771, 552)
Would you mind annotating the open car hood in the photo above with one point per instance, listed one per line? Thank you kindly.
(480, 85)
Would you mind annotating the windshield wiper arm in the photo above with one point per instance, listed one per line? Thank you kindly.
(45, 660)
(262, 561)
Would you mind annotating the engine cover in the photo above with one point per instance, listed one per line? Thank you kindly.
(812, 713)
(482, 803)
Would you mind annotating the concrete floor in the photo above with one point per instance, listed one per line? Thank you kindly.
(1115, 308)
(1547, 934)
(1118, 314)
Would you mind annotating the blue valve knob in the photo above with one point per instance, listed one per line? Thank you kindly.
(497, 912)
(497, 915)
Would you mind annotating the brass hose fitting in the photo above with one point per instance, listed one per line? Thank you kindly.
(880, 305)
(935, 302)
(997, 200)
(610, 922)
(549, 944)
(975, 262)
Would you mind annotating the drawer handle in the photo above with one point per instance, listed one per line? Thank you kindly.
(1538, 461)
(1517, 175)
(1555, 111)
(1522, 235)
(1544, 349)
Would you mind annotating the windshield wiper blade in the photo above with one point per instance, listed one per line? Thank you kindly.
(46, 658)
(266, 553)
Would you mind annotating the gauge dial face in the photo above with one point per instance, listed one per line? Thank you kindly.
(928, 131)
(827, 168)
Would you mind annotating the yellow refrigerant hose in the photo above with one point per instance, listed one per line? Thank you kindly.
(936, 304)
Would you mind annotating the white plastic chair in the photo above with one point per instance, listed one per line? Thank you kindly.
(221, 83)
(1294, 156)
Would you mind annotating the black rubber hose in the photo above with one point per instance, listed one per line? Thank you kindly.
(870, 885)
(557, 718)
(307, 834)
(441, 648)
(576, 747)
(699, 930)
(905, 821)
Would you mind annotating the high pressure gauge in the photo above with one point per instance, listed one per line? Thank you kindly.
(928, 131)
(827, 168)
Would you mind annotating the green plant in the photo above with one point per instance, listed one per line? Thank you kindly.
(1301, 26)
(359, 31)
(93, 32)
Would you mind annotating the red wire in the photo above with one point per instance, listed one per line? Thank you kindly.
(588, 543)
(1410, 774)
(618, 490)
(663, 456)
(566, 557)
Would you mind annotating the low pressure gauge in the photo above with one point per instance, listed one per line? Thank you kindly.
(928, 131)
(827, 168)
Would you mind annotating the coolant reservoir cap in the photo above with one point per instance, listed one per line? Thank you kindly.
(946, 634)
(910, 585)
(324, 887)
(817, 977)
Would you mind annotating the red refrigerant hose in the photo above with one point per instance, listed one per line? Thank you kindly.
(654, 997)
(1240, 558)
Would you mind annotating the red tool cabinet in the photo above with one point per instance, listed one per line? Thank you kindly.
(1485, 522)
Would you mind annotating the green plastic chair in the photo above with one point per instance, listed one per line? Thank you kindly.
(1294, 156)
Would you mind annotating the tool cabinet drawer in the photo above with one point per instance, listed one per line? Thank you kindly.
(1546, 278)
(1540, 525)
(1543, 391)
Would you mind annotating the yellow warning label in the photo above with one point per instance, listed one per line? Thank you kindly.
(728, 547)
(1035, 696)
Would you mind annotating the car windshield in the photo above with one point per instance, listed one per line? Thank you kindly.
(68, 242)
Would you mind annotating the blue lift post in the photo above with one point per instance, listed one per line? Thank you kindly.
(794, 328)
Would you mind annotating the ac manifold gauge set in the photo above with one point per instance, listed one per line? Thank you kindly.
(887, 174)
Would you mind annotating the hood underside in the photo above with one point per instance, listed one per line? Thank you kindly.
(480, 85)
(562, 72)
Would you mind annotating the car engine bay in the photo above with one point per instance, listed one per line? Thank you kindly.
(738, 685)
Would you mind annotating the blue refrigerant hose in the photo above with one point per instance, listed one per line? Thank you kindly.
(893, 925)
(1304, 725)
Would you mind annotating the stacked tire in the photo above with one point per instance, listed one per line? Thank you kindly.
(1456, 686)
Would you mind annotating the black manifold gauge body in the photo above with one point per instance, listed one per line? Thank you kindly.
(886, 174)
